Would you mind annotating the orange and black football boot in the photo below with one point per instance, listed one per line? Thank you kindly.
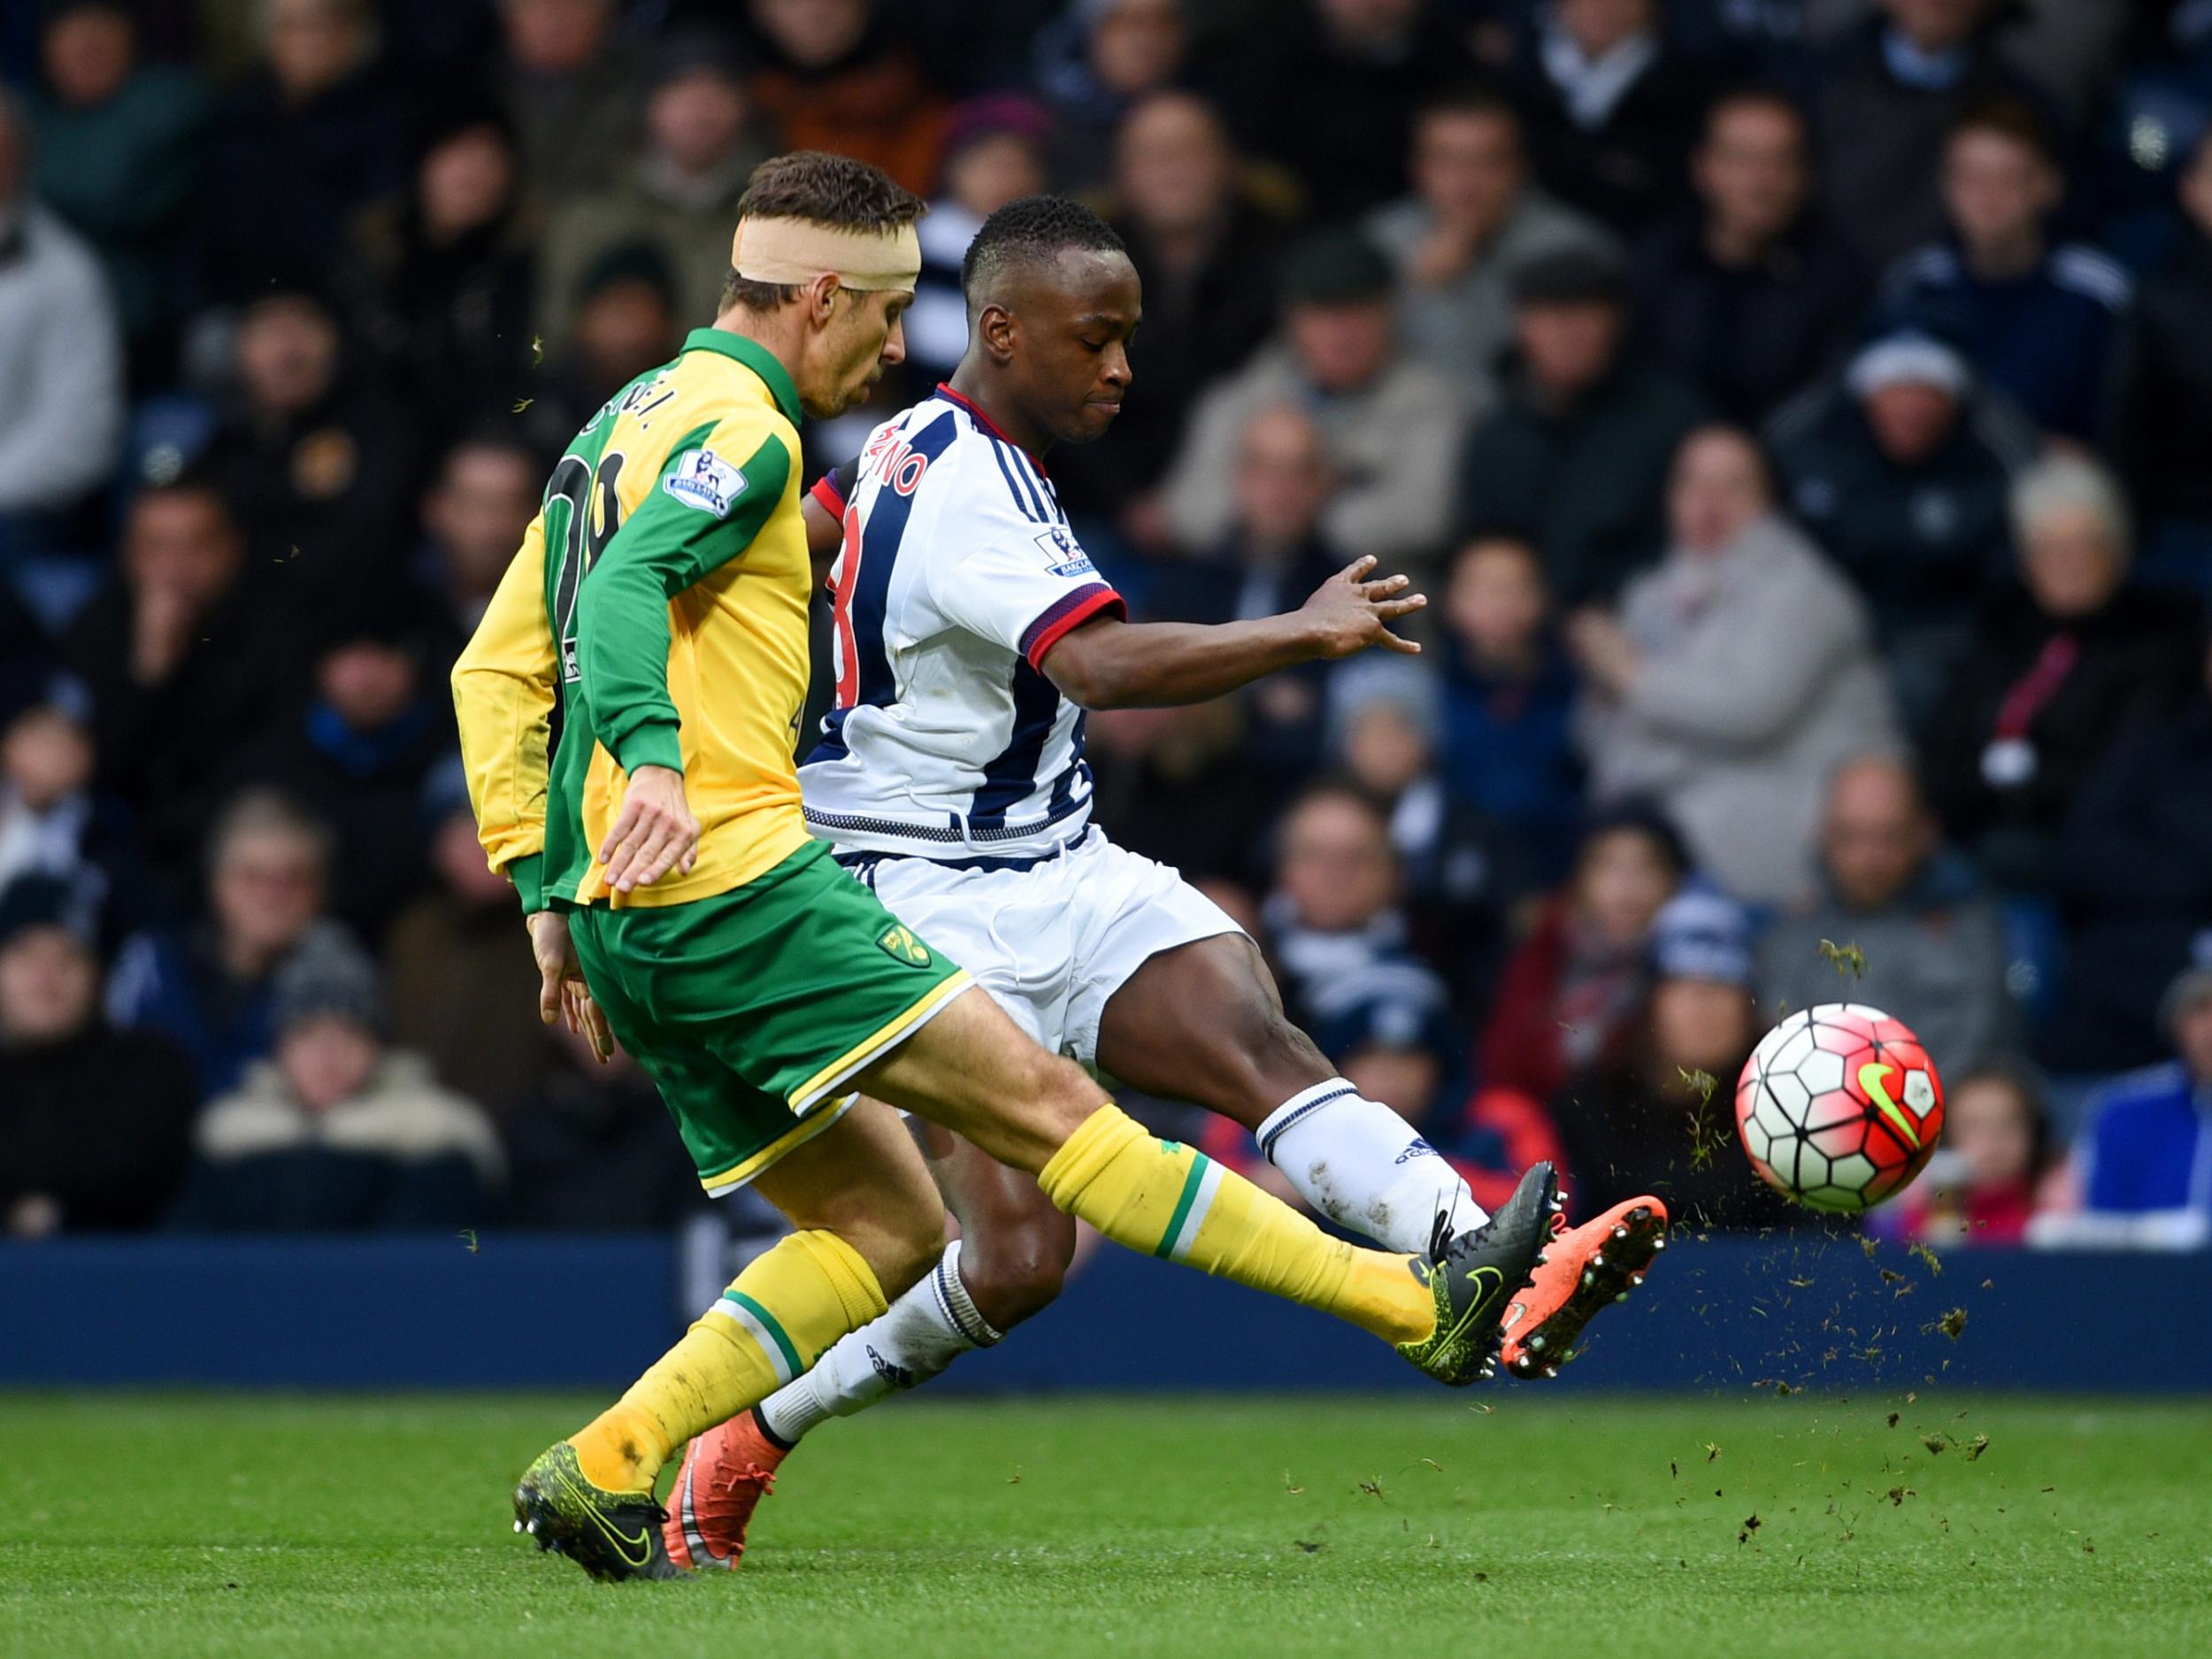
(726, 1473)
(1584, 1270)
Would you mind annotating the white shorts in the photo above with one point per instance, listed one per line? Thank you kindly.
(1054, 942)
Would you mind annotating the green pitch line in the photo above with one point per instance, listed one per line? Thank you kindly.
(184, 1525)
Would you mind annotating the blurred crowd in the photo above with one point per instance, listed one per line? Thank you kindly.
(1797, 410)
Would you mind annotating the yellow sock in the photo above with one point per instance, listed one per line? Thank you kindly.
(1164, 1199)
(771, 1325)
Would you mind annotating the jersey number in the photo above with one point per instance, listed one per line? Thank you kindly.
(595, 513)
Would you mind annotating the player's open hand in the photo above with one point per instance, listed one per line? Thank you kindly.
(1353, 613)
(561, 993)
(653, 834)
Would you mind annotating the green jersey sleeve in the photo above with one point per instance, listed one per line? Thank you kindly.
(703, 510)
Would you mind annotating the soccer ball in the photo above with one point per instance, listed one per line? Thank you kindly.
(1838, 1107)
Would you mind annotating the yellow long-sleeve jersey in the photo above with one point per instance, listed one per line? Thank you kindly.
(655, 615)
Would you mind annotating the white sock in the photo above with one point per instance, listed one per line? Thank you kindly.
(1362, 1166)
(921, 1334)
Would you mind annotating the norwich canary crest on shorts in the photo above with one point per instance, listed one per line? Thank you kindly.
(900, 945)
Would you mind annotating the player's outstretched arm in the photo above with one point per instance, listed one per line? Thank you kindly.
(1109, 663)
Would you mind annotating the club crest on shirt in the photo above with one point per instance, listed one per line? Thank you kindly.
(1062, 557)
(703, 479)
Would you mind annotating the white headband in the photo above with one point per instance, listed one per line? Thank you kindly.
(799, 251)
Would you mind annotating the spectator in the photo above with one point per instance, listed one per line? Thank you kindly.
(454, 282)
(1654, 1116)
(1370, 64)
(62, 1073)
(1094, 64)
(1736, 678)
(120, 148)
(1574, 458)
(1393, 424)
(1337, 912)
(307, 144)
(53, 824)
(589, 1149)
(1750, 294)
(336, 1132)
(1934, 943)
(1993, 1172)
(1888, 92)
(994, 153)
(1176, 786)
(1612, 109)
(626, 324)
(1900, 468)
(462, 995)
(474, 518)
(1509, 698)
(61, 359)
(835, 78)
(677, 195)
(356, 758)
(570, 88)
(1570, 989)
(208, 986)
(2036, 317)
(1273, 557)
(1206, 257)
(1461, 881)
(2063, 665)
(315, 457)
(2161, 400)
(1474, 217)
(2144, 1163)
(2133, 871)
(186, 660)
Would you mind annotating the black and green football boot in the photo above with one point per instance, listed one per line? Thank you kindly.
(610, 1535)
(1475, 1275)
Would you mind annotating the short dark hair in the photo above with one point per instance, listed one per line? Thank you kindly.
(1757, 95)
(823, 190)
(2008, 116)
(1031, 229)
(1471, 100)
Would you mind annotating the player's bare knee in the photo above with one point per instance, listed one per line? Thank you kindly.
(1287, 1059)
(1012, 1274)
(1268, 1060)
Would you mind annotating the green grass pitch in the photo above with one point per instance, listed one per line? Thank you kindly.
(222, 1525)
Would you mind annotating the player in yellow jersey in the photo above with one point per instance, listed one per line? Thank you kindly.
(627, 711)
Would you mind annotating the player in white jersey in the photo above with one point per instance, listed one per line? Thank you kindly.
(972, 633)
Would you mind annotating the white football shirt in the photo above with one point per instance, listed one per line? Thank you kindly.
(957, 573)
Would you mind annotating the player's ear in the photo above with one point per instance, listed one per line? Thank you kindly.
(821, 296)
(996, 328)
